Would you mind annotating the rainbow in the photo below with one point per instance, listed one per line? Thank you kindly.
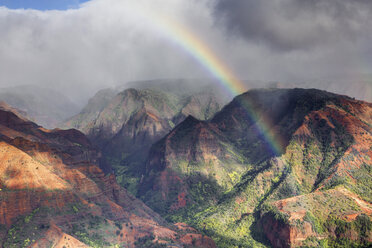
(194, 46)
(199, 50)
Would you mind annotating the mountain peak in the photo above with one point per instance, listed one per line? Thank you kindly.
(190, 120)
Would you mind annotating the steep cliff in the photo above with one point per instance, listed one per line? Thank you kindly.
(53, 193)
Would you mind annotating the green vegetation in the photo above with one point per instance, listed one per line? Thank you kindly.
(363, 185)
(273, 211)
(316, 226)
(362, 226)
(26, 229)
(75, 209)
(92, 238)
(148, 242)
(313, 242)
(29, 217)
(127, 173)
(230, 222)
(88, 229)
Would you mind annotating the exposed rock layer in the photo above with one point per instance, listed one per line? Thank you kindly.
(53, 193)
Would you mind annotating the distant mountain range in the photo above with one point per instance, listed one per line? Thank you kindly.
(49, 107)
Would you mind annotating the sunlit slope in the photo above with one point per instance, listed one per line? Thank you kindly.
(53, 193)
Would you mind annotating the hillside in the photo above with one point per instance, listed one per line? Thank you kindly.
(125, 125)
(53, 194)
(276, 166)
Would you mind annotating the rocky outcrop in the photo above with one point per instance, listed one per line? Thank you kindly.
(306, 216)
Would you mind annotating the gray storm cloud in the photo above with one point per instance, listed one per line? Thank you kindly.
(296, 24)
(106, 42)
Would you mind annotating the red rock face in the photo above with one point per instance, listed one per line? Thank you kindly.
(297, 228)
(56, 170)
(60, 239)
(278, 233)
(283, 236)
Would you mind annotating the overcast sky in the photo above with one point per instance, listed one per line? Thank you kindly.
(82, 47)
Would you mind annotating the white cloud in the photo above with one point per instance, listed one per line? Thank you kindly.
(106, 42)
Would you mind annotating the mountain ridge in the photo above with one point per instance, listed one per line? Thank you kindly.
(321, 133)
(134, 119)
(53, 192)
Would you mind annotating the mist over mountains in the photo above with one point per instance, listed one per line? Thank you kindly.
(46, 106)
(50, 108)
